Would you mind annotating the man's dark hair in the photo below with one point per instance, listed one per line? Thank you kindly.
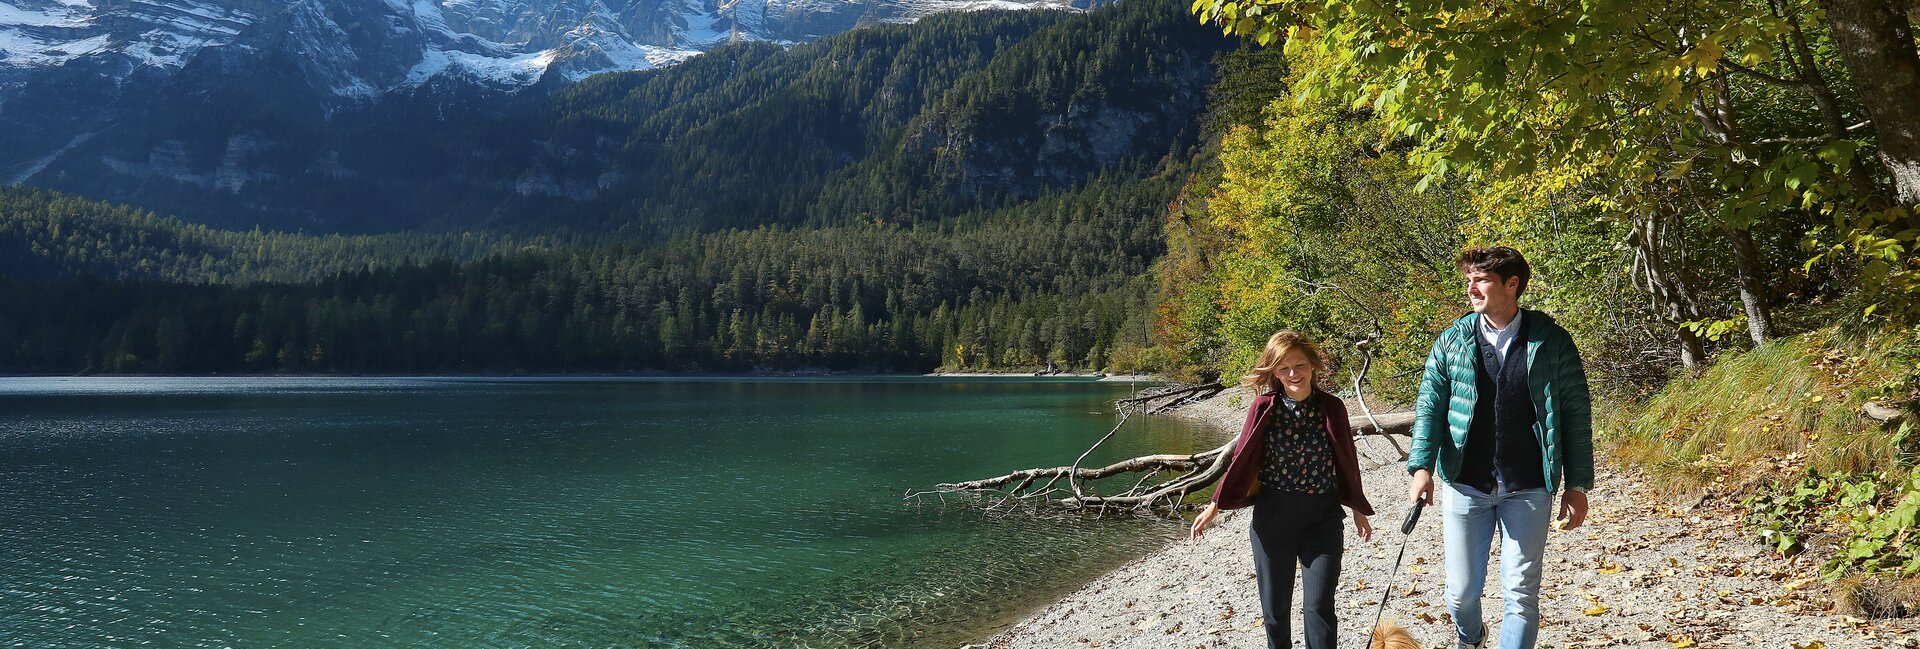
(1499, 260)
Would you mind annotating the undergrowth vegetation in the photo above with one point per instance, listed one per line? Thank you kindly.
(1814, 437)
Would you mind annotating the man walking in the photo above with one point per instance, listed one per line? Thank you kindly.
(1503, 418)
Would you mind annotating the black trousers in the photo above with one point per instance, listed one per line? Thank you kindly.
(1303, 529)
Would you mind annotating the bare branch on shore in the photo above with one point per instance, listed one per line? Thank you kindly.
(1170, 397)
(1191, 473)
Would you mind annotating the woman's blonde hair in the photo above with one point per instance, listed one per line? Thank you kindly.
(1260, 380)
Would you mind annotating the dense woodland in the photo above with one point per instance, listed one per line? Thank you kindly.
(1690, 176)
(1060, 281)
(1719, 200)
(46, 235)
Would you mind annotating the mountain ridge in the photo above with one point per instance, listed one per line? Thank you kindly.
(1014, 103)
(70, 70)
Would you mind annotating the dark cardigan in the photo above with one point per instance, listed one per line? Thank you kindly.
(1241, 483)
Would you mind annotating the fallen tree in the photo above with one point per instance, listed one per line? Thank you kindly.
(1065, 488)
(1190, 473)
(1170, 396)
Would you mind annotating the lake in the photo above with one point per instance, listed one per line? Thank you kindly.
(354, 512)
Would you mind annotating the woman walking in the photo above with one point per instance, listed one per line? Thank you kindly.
(1295, 464)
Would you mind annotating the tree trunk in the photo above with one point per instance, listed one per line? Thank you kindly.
(1664, 281)
(1817, 86)
(1746, 263)
(1876, 41)
(1808, 69)
(1693, 353)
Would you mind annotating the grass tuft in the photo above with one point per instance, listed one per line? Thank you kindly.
(1877, 596)
(1790, 404)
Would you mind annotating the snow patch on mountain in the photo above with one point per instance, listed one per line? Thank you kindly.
(41, 33)
(60, 16)
(592, 49)
(27, 50)
(363, 48)
(520, 70)
(913, 10)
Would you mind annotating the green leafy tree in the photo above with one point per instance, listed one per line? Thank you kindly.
(1627, 104)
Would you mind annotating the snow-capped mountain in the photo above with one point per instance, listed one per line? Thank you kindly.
(362, 48)
(377, 116)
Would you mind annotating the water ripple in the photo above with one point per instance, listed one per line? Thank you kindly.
(401, 512)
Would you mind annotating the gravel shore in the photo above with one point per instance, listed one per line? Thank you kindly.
(1643, 572)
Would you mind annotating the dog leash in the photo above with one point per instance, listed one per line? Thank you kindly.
(1406, 533)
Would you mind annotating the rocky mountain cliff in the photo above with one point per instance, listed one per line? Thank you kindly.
(420, 116)
(362, 47)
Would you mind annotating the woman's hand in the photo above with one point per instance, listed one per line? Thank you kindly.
(1362, 527)
(1200, 522)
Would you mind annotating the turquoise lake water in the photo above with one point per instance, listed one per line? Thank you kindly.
(356, 512)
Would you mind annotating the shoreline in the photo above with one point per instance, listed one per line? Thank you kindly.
(651, 374)
(1211, 415)
(1097, 376)
(1645, 571)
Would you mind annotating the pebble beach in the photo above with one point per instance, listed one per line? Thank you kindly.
(1644, 571)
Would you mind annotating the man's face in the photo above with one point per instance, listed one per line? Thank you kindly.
(1491, 293)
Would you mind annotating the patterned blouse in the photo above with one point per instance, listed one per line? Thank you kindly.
(1299, 456)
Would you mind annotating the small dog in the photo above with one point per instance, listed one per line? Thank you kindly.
(1391, 636)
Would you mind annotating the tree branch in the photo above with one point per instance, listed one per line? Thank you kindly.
(1796, 84)
(1817, 139)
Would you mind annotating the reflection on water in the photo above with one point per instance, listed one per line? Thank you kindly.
(654, 512)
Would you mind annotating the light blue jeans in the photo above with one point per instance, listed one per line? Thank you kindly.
(1468, 517)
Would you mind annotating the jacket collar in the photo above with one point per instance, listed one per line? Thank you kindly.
(1535, 325)
(1270, 399)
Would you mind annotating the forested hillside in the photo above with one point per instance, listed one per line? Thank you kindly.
(1058, 281)
(46, 235)
(978, 191)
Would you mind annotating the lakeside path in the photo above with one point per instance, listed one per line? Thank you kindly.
(1643, 572)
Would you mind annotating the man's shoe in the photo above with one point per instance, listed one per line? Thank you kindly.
(1478, 644)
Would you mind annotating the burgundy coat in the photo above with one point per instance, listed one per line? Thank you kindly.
(1242, 481)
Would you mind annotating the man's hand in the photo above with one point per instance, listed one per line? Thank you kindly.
(1573, 508)
(1422, 488)
(1362, 527)
(1200, 522)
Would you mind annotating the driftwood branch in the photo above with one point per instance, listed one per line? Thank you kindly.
(1169, 397)
(1073, 473)
(1364, 344)
(1025, 477)
(1191, 473)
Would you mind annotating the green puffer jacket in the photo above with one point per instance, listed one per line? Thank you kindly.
(1555, 378)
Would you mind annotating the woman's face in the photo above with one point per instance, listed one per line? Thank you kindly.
(1294, 372)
